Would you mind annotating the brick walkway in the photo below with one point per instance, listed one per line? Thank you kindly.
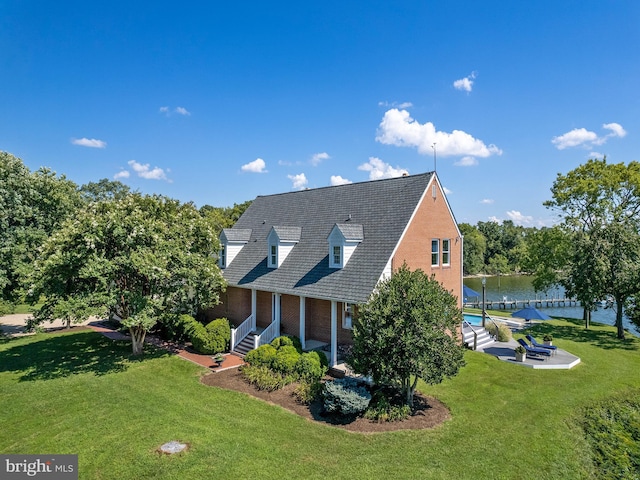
(230, 360)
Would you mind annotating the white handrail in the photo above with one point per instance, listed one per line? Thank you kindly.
(244, 329)
(267, 335)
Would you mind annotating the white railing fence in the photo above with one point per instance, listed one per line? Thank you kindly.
(268, 334)
(244, 329)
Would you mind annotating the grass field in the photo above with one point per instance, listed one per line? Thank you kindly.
(82, 393)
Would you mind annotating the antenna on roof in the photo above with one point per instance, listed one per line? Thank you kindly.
(434, 156)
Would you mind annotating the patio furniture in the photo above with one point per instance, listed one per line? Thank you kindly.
(534, 343)
(534, 350)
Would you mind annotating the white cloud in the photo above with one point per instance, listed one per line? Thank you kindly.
(466, 83)
(395, 105)
(575, 137)
(466, 162)
(616, 129)
(317, 158)
(378, 169)
(494, 219)
(178, 110)
(257, 166)
(399, 129)
(447, 191)
(284, 163)
(518, 218)
(338, 180)
(122, 174)
(487, 201)
(145, 171)
(89, 142)
(299, 181)
(596, 155)
(581, 137)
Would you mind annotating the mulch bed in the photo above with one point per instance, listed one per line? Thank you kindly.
(428, 412)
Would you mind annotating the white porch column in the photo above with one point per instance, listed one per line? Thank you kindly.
(334, 334)
(277, 312)
(254, 303)
(303, 303)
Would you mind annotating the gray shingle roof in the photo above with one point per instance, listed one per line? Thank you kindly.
(288, 234)
(237, 234)
(382, 208)
(351, 232)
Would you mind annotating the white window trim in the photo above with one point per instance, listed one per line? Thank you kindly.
(448, 252)
(223, 256)
(347, 316)
(332, 262)
(270, 260)
(435, 242)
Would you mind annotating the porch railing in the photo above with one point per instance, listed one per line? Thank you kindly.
(267, 335)
(244, 329)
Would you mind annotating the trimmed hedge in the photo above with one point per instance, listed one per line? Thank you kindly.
(214, 338)
(263, 355)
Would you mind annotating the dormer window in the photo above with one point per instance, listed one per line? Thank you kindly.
(337, 255)
(343, 240)
(281, 241)
(232, 240)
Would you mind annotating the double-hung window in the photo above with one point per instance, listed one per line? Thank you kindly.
(446, 251)
(273, 255)
(337, 255)
(435, 252)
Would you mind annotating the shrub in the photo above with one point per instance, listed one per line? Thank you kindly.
(263, 378)
(309, 367)
(287, 341)
(263, 355)
(501, 331)
(220, 333)
(345, 396)
(286, 359)
(177, 327)
(547, 337)
(381, 409)
(612, 429)
(324, 361)
(202, 340)
(307, 391)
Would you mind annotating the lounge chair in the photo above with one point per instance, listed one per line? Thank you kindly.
(535, 351)
(533, 341)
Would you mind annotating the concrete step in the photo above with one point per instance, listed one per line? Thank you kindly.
(483, 339)
(245, 345)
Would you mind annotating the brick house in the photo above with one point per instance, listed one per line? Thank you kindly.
(298, 263)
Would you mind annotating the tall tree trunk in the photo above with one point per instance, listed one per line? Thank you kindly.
(137, 339)
(619, 324)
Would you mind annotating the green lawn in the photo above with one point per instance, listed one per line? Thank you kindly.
(82, 393)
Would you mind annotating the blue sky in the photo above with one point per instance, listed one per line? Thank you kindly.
(218, 102)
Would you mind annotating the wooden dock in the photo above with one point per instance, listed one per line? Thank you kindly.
(505, 303)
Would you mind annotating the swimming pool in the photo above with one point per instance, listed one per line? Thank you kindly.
(473, 319)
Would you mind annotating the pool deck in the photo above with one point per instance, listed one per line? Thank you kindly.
(505, 351)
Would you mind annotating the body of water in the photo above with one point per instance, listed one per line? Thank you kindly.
(519, 287)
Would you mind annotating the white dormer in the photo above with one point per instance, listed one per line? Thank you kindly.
(343, 240)
(280, 242)
(231, 242)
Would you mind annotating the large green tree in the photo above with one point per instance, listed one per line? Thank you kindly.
(407, 331)
(600, 203)
(139, 256)
(32, 206)
(474, 247)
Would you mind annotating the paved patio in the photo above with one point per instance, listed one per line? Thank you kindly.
(505, 351)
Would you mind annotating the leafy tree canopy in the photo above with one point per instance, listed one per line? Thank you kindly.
(407, 331)
(136, 256)
(32, 206)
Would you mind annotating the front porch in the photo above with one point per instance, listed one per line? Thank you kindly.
(316, 322)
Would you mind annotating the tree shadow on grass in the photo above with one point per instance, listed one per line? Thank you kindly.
(61, 355)
(605, 339)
